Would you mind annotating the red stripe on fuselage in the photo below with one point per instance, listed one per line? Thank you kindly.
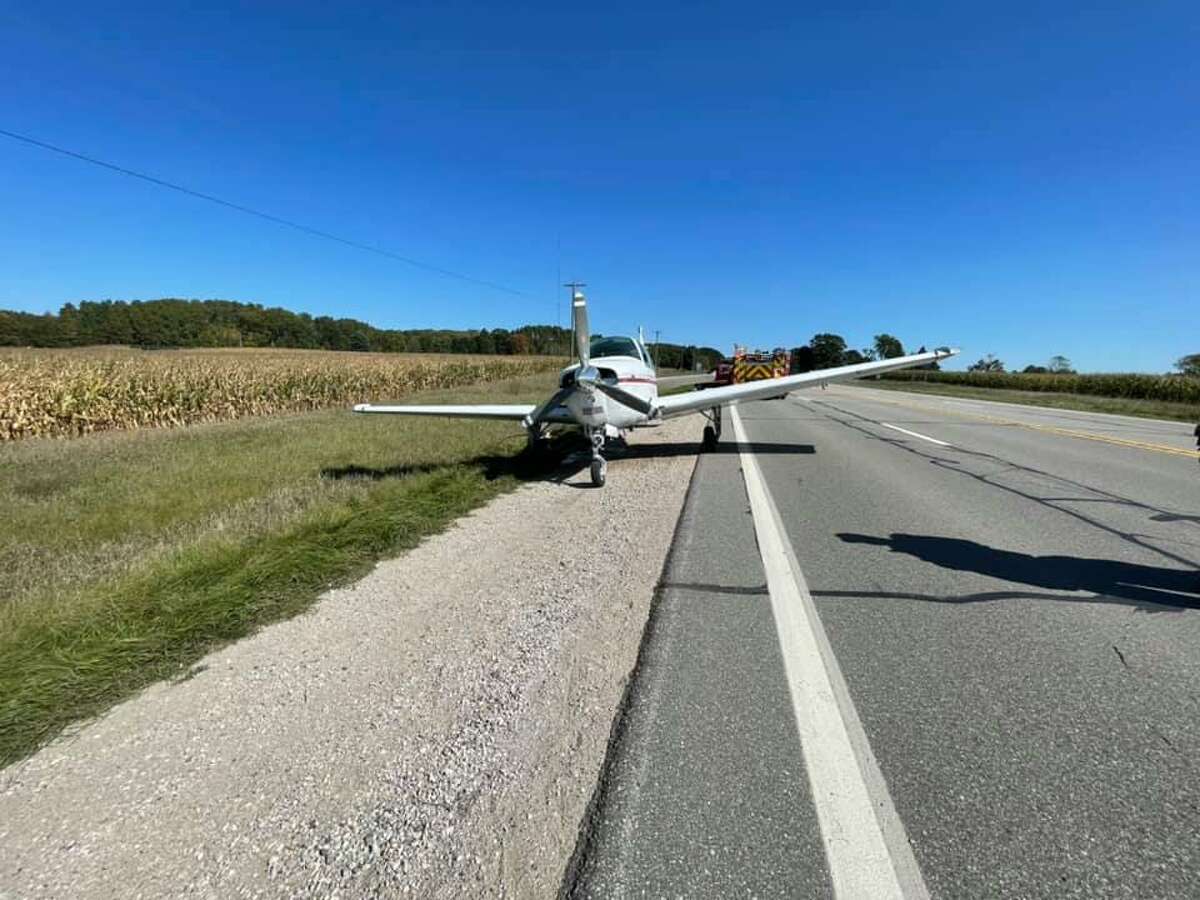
(637, 380)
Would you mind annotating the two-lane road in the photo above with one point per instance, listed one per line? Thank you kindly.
(999, 687)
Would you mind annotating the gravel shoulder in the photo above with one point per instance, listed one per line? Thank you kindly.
(435, 729)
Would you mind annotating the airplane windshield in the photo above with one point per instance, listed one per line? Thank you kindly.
(614, 346)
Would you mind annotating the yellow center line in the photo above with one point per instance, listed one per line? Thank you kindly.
(1050, 429)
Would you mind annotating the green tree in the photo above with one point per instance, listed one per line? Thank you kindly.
(988, 364)
(802, 359)
(888, 347)
(1189, 365)
(1060, 365)
(828, 350)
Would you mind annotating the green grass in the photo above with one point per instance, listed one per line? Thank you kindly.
(130, 555)
(1149, 409)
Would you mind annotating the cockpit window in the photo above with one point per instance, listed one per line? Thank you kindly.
(614, 346)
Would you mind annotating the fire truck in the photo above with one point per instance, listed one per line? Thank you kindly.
(745, 366)
(722, 375)
(759, 365)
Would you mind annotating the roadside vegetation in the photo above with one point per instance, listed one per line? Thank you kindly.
(1125, 406)
(1182, 389)
(65, 393)
(130, 554)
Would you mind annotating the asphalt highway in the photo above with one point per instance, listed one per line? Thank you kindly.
(1005, 618)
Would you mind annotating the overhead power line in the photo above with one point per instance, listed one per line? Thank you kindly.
(315, 232)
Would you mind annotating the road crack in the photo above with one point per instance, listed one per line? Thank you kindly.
(1120, 655)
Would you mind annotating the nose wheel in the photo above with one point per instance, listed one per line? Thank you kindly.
(599, 466)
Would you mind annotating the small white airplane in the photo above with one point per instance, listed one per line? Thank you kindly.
(613, 388)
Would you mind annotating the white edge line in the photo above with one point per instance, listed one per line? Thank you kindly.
(868, 853)
(915, 434)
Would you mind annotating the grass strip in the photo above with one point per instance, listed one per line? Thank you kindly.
(1124, 406)
(152, 625)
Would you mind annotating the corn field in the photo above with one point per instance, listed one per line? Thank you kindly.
(47, 393)
(1173, 388)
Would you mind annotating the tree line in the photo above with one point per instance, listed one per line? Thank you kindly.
(825, 351)
(170, 323)
(1058, 365)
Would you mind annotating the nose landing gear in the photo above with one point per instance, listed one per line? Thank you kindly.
(599, 465)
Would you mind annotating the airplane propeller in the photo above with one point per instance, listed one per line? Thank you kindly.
(583, 334)
(624, 397)
(588, 375)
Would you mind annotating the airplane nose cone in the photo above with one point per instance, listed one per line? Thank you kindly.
(587, 406)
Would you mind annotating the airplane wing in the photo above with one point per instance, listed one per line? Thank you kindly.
(550, 413)
(666, 382)
(482, 411)
(678, 404)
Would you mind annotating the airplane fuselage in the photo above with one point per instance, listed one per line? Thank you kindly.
(633, 374)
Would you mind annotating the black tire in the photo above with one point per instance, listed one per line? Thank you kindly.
(710, 437)
(598, 472)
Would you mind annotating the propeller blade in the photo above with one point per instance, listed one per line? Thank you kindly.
(624, 397)
(583, 335)
(560, 397)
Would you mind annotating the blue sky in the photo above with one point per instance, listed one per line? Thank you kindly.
(1019, 179)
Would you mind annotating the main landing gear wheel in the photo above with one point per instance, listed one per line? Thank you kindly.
(599, 467)
(712, 433)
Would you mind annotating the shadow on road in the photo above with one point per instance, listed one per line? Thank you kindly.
(991, 470)
(759, 590)
(1110, 580)
(525, 466)
(1174, 517)
(566, 455)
